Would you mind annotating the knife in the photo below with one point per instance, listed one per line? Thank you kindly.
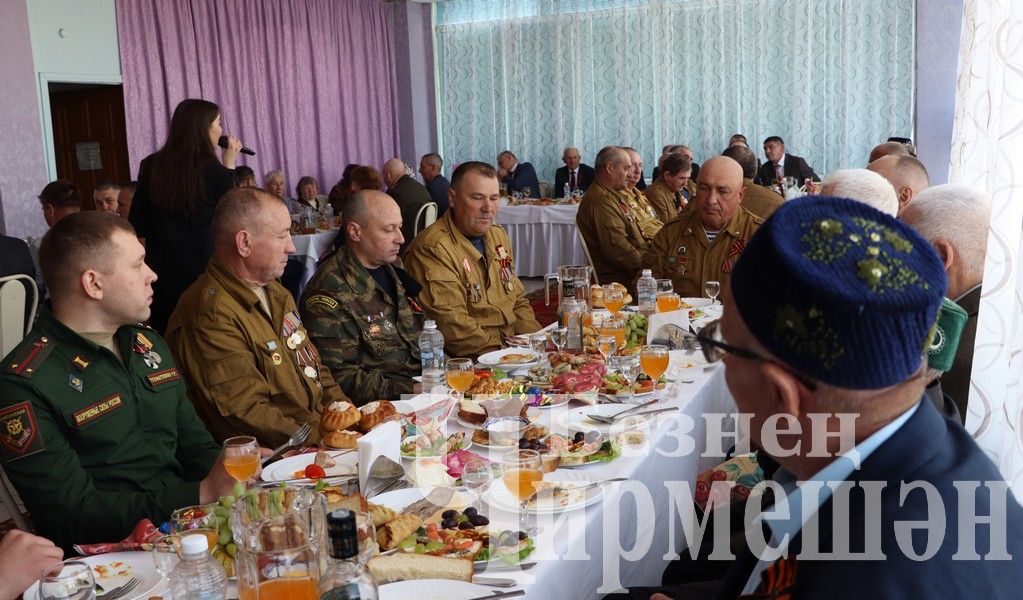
(489, 567)
(496, 595)
(495, 581)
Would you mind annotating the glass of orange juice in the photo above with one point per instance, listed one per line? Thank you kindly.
(521, 472)
(668, 301)
(653, 360)
(614, 326)
(459, 374)
(614, 299)
(241, 457)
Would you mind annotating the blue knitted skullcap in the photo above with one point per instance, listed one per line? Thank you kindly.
(840, 292)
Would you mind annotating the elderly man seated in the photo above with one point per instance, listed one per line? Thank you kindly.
(467, 267)
(96, 429)
(703, 244)
(665, 194)
(104, 196)
(251, 367)
(906, 174)
(519, 177)
(862, 185)
(757, 199)
(954, 218)
(408, 193)
(360, 308)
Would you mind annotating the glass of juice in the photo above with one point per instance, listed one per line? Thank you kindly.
(614, 299)
(653, 361)
(196, 519)
(241, 457)
(521, 472)
(668, 301)
(614, 326)
(459, 374)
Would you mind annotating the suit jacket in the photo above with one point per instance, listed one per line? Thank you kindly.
(927, 448)
(795, 166)
(584, 178)
(438, 188)
(15, 259)
(523, 177)
(410, 196)
(956, 382)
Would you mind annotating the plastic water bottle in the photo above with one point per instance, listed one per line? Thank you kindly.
(646, 289)
(573, 315)
(568, 191)
(328, 215)
(198, 576)
(431, 353)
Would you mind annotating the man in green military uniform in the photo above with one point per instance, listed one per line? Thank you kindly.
(757, 199)
(466, 266)
(96, 431)
(360, 308)
(665, 193)
(237, 335)
(703, 244)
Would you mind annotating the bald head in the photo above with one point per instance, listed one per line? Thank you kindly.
(906, 174)
(887, 149)
(359, 207)
(392, 171)
(373, 227)
(719, 192)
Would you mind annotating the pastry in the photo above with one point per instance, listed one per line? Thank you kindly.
(340, 439)
(375, 413)
(339, 415)
(397, 529)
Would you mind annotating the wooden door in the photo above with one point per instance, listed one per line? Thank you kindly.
(90, 143)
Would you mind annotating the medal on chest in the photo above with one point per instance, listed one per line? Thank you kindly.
(142, 345)
(295, 338)
(733, 255)
(505, 261)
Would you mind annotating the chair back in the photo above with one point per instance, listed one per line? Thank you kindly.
(15, 306)
(589, 259)
(428, 214)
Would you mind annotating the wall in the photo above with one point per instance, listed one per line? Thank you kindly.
(22, 169)
(75, 37)
(417, 107)
(938, 25)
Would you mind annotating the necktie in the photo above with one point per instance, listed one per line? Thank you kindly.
(779, 172)
(571, 180)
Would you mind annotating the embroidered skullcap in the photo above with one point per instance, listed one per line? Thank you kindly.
(840, 292)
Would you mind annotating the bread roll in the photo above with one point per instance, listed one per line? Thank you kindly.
(596, 297)
(339, 415)
(403, 566)
(397, 529)
(375, 413)
(341, 439)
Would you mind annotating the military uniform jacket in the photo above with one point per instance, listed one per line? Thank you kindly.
(681, 251)
(475, 299)
(611, 231)
(759, 200)
(370, 343)
(248, 373)
(649, 224)
(662, 200)
(93, 445)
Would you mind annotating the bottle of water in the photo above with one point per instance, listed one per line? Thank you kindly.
(568, 191)
(328, 215)
(573, 315)
(345, 578)
(646, 289)
(431, 353)
(198, 576)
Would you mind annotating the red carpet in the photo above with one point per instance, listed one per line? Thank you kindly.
(545, 315)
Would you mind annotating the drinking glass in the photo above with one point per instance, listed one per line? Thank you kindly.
(476, 477)
(614, 326)
(559, 337)
(607, 345)
(628, 367)
(366, 534)
(668, 301)
(195, 519)
(67, 580)
(527, 192)
(241, 457)
(166, 554)
(614, 299)
(653, 360)
(665, 285)
(521, 472)
(459, 374)
(538, 344)
(712, 289)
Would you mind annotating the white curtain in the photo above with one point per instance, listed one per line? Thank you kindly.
(987, 144)
(831, 77)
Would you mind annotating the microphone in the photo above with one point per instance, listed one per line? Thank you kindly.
(222, 142)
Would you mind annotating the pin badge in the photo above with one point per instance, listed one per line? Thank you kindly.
(271, 345)
(310, 372)
(276, 357)
(152, 359)
(75, 382)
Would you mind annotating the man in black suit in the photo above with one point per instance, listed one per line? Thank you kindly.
(780, 165)
(438, 185)
(574, 174)
(408, 193)
(517, 176)
(15, 259)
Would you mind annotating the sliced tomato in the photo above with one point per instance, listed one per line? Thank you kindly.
(315, 472)
(484, 373)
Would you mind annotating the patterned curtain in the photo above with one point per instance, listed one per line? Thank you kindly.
(832, 77)
(987, 141)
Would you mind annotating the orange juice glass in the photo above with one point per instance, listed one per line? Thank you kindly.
(614, 299)
(614, 327)
(241, 468)
(653, 360)
(668, 301)
(522, 472)
(286, 588)
(460, 380)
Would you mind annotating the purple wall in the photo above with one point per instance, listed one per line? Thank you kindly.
(22, 166)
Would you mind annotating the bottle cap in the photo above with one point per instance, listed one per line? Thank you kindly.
(194, 543)
(429, 324)
(344, 542)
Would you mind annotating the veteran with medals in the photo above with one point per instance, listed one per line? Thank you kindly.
(251, 367)
(704, 244)
(360, 308)
(96, 430)
(466, 266)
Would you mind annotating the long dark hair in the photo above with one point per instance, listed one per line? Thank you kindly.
(175, 178)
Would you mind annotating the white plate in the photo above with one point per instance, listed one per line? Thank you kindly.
(347, 464)
(399, 499)
(559, 400)
(683, 366)
(135, 564)
(500, 497)
(493, 359)
(433, 589)
(697, 302)
(576, 419)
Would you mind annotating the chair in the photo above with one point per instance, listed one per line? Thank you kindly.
(589, 259)
(14, 307)
(430, 210)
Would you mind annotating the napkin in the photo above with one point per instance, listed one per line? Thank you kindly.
(383, 440)
(141, 539)
(657, 320)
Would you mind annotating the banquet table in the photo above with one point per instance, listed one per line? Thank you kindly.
(309, 248)
(542, 237)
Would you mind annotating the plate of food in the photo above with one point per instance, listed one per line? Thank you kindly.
(334, 463)
(616, 386)
(568, 494)
(114, 570)
(503, 433)
(425, 446)
(577, 419)
(515, 358)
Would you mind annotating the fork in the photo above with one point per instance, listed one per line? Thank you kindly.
(296, 438)
(613, 419)
(124, 590)
(554, 490)
(623, 413)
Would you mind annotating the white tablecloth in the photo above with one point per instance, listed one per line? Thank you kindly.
(309, 248)
(542, 237)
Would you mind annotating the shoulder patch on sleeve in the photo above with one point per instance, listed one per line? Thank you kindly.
(27, 360)
(19, 434)
(321, 299)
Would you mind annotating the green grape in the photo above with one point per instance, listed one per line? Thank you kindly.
(231, 549)
(239, 490)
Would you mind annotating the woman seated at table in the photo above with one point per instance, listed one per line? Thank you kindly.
(308, 191)
(355, 178)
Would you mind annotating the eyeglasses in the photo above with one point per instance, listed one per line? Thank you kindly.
(714, 347)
